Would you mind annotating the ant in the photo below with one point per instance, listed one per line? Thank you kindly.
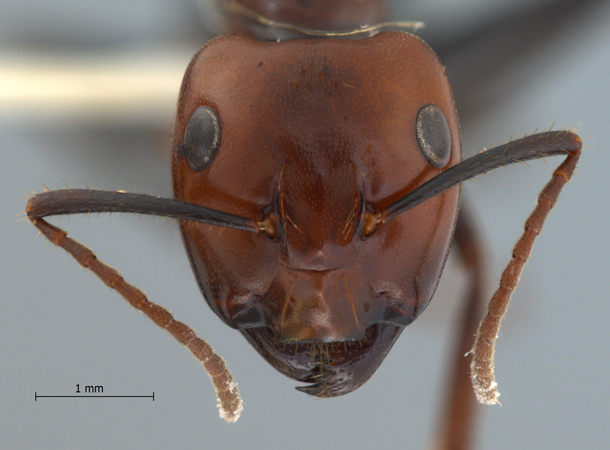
(261, 246)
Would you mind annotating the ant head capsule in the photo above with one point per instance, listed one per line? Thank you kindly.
(316, 135)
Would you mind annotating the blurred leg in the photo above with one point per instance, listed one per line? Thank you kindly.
(460, 408)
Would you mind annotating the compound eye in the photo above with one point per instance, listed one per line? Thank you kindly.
(201, 138)
(433, 135)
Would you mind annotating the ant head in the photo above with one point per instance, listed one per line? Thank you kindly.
(315, 139)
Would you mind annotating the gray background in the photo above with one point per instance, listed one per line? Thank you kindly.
(60, 326)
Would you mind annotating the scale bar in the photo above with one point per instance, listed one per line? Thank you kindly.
(36, 396)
